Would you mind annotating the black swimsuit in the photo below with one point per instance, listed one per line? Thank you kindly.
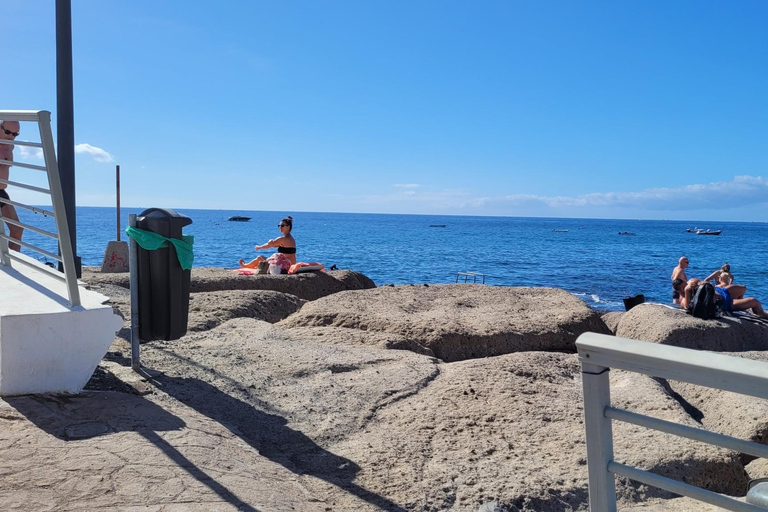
(4, 195)
(286, 250)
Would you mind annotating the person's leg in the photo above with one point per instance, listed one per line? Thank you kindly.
(749, 303)
(737, 291)
(252, 263)
(15, 231)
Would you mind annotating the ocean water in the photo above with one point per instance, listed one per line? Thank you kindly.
(590, 260)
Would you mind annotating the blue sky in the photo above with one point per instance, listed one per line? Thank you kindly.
(578, 109)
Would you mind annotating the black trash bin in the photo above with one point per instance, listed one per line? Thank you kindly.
(163, 284)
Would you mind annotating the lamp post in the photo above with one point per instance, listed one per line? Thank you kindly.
(65, 119)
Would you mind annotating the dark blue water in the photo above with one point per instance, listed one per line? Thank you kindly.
(591, 260)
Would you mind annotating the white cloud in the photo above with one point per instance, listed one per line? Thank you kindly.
(98, 154)
(741, 191)
(27, 153)
(407, 185)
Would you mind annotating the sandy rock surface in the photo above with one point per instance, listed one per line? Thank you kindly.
(461, 321)
(659, 324)
(612, 319)
(318, 412)
(115, 451)
(307, 286)
(733, 414)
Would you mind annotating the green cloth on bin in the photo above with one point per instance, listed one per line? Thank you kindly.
(152, 241)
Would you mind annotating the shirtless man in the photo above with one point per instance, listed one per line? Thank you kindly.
(679, 273)
(9, 130)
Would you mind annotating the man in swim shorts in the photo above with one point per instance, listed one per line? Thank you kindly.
(9, 130)
(679, 273)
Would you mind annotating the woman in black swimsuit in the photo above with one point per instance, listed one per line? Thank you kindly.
(285, 244)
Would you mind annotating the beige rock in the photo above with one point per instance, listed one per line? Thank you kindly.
(308, 286)
(209, 309)
(355, 337)
(733, 414)
(672, 505)
(459, 321)
(758, 468)
(612, 319)
(659, 324)
(509, 429)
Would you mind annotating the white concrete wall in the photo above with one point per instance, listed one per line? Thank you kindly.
(46, 346)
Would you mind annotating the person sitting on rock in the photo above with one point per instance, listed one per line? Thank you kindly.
(285, 244)
(722, 276)
(731, 297)
(679, 273)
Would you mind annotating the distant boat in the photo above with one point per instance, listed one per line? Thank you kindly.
(559, 230)
(437, 225)
(239, 218)
(627, 233)
(708, 232)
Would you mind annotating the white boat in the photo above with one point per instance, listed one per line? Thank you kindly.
(708, 232)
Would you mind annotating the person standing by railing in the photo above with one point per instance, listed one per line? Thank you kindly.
(9, 130)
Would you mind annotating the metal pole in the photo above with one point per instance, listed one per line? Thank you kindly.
(117, 178)
(65, 119)
(134, 264)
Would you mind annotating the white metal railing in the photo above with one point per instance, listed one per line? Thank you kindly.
(599, 353)
(43, 120)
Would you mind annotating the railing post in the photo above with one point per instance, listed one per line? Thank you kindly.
(59, 207)
(597, 396)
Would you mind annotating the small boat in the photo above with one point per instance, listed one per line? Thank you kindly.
(708, 232)
(627, 233)
(559, 230)
(437, 225)
(239, 218)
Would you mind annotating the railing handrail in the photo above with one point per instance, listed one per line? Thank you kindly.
(709, 369)
(66, 257)
(599, 353)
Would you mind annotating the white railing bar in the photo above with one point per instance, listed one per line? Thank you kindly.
(49, 270)
(57, 198)
(21, 143)
(697, 434)
(27, 226)
(28, 207)
(22, 115)
(682, 489)
(707, 369)
(30, 246)
(24, 185)
(21, 164)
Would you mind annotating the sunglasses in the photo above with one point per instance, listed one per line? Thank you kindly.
(9, 132)
(282, 225)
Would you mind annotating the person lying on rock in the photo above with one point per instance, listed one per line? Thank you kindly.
(722, 276)
(285, 244)
(679, 273)
(731, 297)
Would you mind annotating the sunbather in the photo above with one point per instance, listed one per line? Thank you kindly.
(721, 275)
(732, 297)
(285, 244)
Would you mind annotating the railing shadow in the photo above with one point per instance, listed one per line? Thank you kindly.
(270, 435)
(93, 414)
